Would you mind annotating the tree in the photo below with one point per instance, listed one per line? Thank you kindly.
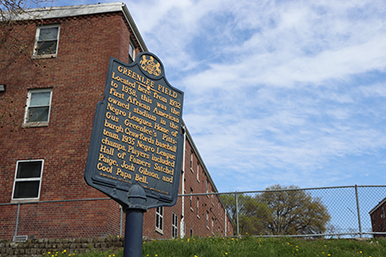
(251, 213)
(278, 211)
(293, 211)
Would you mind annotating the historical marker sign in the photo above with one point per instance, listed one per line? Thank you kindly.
(136, 137)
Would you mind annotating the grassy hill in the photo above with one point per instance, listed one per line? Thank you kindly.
(253, 246)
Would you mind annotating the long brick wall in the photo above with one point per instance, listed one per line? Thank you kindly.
(39, 247)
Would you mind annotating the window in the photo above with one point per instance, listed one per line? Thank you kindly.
(27, 181)
(207, 219)
(198, 204)
(131, 52)
(191, 232)
(159, 216)
(174, 226)
(191, 161)
(47, 40)
(38, 106)
(198, 172)
(191, 199)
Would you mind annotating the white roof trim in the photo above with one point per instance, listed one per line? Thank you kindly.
(377, 206)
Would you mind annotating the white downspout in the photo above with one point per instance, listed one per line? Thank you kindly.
(182, 223)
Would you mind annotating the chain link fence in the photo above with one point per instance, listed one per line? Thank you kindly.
(312, 212)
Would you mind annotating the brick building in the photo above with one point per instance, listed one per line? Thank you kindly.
(378, 220)
(52, 74)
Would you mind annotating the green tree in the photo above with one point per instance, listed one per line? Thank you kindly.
(251, 213)
(293, 211)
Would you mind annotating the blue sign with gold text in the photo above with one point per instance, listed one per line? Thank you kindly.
(136, 137)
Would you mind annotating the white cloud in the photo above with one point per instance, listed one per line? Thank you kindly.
(276, 91)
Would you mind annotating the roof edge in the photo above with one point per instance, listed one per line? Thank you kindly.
(80, 10)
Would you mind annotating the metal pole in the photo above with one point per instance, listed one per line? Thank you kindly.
(358, 211)
(133, 233)
(237, 214)
(120, 221)
(17, 221)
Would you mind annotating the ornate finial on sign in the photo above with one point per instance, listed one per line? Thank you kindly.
(150, 66)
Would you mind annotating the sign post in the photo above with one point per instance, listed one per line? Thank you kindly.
(135, 152)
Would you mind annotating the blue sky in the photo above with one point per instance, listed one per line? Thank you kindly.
(276, 92)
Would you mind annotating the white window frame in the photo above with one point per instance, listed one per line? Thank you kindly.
(28, 106)
(198, 172)
(159, 217)
(174, 225)
(17, 180)
(191, 162)
(198, 207)
(132, 52)
(35, 52)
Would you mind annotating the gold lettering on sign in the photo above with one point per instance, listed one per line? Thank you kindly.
(168, 139)
(113, 144)
(139, 162)
(144, 90)
(166, 146)
(110, 134)
(126, 166)
(138, 153)
(159, 97)
(165, 115)
(134, 101)
(159, 128)
(120, 104)
(144, 171)
(167, 179)
(167, 91)
(141, 179)
(175, 103)
(112, 117)
(162, 161)
(165, 154)
(116, 94)
(123, 174)
(116, 111)
(113, 127)
(146, 99)
(163, 169)
(109, 151)
(107, 160)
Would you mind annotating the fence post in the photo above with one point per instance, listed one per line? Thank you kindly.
(358, 211)
(237, 214)
(17, 221)
(121, 221)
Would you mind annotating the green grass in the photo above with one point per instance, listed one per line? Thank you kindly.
(254, 246)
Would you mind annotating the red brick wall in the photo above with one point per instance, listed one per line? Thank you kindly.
(77, 76)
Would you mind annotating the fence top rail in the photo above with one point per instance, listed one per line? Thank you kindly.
(279, 190)
(199, 194)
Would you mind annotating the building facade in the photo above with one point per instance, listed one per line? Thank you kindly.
(53, 73)
(378, 219)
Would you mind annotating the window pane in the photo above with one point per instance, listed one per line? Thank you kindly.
(46, 47)
(29, 169)
(40, 99)
(38, 114)
(48, 34)
(26, 189)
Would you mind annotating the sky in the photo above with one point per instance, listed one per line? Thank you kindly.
(276, 92)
